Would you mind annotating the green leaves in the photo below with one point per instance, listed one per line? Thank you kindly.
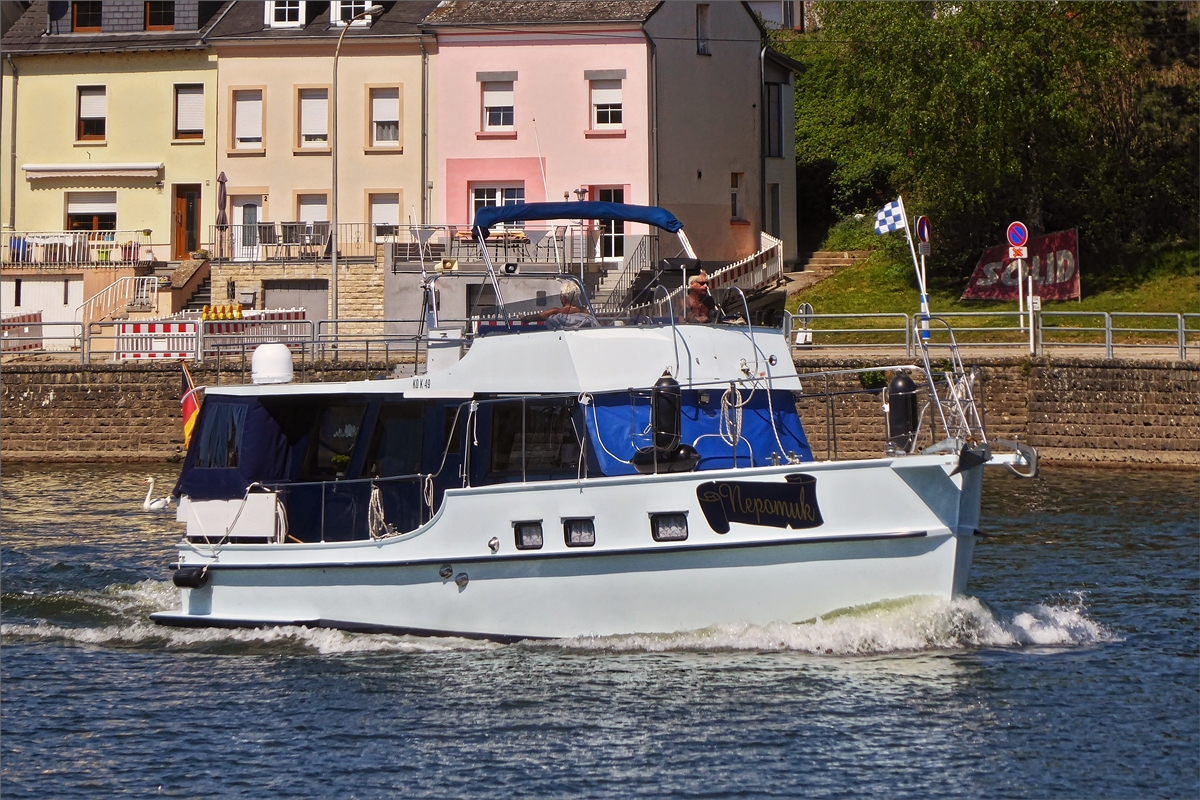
(1060, 114)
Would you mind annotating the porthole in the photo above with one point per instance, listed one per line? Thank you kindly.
(668, 527)
(528, 535)
(579, 532)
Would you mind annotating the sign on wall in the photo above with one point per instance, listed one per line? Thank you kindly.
(1053, 260)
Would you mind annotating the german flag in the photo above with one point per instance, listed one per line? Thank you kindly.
(190, 405)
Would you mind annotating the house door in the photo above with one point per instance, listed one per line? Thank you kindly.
(187, 220)
(311, 295)
(247, 211)
(612, 232)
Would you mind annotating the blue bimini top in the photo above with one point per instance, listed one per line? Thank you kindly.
(488, 216)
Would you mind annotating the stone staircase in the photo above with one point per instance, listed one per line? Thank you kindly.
(816, 267)
(201, 297)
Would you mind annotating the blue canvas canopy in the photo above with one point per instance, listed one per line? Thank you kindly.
(488, 216)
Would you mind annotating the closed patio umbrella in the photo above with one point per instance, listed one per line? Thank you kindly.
(222, 200)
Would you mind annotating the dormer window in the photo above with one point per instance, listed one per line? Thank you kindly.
(86, 17)
(160, 16)
(342, 11)
(285, 13)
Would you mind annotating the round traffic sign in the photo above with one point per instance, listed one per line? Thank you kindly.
(1018, 234)
(923, 229)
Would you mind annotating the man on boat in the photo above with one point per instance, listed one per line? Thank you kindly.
(698, 304)
(571, 315)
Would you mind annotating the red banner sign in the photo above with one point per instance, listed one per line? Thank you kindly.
(1053, 262)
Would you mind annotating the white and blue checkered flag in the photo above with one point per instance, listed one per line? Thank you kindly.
(889, 218)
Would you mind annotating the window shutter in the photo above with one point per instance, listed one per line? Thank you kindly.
(497, 93)
(93, 102)
(313, 208)
(385, 105)
(189, 109)
(248, 118)
(606, 93)
(92, 203)
(314, 113)
(385, 209)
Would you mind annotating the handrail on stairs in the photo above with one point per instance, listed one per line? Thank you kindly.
(118, 296)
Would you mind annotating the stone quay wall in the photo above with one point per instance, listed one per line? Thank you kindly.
(1079, 411)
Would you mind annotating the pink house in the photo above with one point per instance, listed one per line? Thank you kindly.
(635, 102)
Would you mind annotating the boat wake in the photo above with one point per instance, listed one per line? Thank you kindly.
(118, 616)
(906, 626)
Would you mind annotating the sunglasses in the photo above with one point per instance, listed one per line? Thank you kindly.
(700, 283)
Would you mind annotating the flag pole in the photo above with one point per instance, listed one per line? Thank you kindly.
(920, 274)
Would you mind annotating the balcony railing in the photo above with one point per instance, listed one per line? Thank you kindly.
(73, 248)
(292, 241)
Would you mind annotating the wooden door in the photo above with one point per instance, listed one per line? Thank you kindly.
(187, 220)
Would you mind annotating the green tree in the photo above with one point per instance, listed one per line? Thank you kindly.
(1064, 115)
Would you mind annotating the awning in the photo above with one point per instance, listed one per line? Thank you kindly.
(488, 216)
(35, 172)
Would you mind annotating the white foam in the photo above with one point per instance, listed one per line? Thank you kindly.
(912, 626)
(921, 624)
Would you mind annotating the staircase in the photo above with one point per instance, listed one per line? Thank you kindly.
(818, 266)
(201, 297)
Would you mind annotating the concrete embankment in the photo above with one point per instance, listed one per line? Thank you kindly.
(1078, 411)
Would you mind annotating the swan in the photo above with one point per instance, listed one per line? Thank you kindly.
(154, 505)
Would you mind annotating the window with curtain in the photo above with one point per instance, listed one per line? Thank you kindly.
(385, 117)
(93, 111)
(221, 437)
(189, 111)
(247, 119)
(498, 106)
(314, 118)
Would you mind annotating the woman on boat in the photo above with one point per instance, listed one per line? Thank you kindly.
(698, 304)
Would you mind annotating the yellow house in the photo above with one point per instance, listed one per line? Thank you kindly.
(109, 138)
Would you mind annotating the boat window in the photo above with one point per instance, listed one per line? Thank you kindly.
(396, 442)
(333, 441)
(528, 535)
(221, 438)
(669, 527)
(579, 532)
(545, 442)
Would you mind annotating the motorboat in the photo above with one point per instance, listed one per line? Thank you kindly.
(548, 482)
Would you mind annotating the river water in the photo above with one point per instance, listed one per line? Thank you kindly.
(1070, 670)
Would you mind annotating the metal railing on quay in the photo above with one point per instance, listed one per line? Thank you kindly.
(34, 336)
(804, 333)
(979, 335)
(74, 248)
(1171, 336)
(1189, 333)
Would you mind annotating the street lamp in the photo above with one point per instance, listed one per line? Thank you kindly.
(370, 11)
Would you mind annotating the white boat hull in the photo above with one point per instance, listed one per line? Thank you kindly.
(889, 529)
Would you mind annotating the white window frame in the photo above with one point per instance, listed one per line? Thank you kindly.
(272, 7)
(603, 93)
(336, 14)
(312, 118)
(377, 107)
(497, 194)
(496, 92)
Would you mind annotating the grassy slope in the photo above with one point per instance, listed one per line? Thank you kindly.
(880, 284)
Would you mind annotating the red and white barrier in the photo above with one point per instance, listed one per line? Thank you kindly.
(20, 332)
(156, 340)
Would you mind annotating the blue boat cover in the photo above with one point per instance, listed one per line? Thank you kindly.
(488, 216)
(619, 424)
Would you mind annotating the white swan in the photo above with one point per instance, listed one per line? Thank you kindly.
(153, 505)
